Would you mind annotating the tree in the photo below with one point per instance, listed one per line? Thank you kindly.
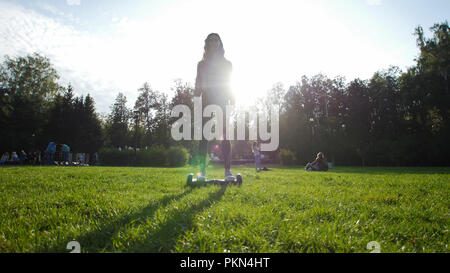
(28, 87)
(91, 131)
(358, 120)
(145, 104)
(118, 127)
(184, 95)
(425, 99)
(152, 111)
(145, 108)
(62, 119)
(161, 127)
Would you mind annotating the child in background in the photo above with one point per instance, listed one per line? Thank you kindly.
(256, 149)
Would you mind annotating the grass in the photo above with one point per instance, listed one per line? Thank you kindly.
(115, 209)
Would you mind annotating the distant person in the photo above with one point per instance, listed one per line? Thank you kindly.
(14, 158)
(80, 159)
(320, 164)
(213, 85)
(4, 159)
(58, 158)
(23, 157)
(256, 149)
(37, 157)
(66, 151)
(50, 152)
(30, 158)
(94, 159)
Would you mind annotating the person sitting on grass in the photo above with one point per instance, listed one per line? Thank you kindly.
(320, 164)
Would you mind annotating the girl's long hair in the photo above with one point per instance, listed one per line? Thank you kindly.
(220, 52)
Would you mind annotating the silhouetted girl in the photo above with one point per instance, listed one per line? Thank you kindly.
(213, 84)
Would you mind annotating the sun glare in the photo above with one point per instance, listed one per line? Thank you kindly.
(244, 92)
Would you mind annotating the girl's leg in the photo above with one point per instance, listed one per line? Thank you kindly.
(203, 149)
(203, 153)
(226, 152)
(226, 145)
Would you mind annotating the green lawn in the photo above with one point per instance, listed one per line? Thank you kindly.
(114, 209)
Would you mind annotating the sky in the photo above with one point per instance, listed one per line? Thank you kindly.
(103, 47)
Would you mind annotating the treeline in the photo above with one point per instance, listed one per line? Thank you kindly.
(395, 118)
(35, 109)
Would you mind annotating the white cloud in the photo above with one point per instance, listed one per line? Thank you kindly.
(102, 64)
(374, 2)
(73, 2)
(58, 13)
(47, 7)
(80, 58)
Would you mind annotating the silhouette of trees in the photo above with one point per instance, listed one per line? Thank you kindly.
(117, 126)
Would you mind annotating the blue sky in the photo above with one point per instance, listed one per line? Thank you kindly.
(108, 46)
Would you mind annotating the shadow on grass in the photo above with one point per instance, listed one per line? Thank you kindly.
(165, 237)
(100, 239)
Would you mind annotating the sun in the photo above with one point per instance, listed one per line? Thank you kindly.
(248, 84)
(242, 89)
